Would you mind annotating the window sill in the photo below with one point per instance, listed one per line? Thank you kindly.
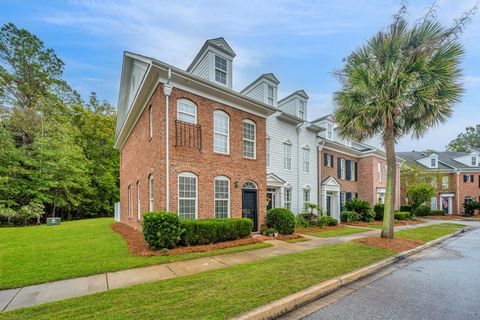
(247, 158)
(222, 153)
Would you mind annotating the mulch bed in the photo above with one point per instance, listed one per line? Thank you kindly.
(137, 246)
(397, 224)
(282, 237)
(315, 229)
(452, 217)
(397, 244)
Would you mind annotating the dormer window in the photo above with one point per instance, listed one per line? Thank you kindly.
(329, 131)
(301, 110)
(270, 95)
(220, 70)
(433, 162)
(474, 161)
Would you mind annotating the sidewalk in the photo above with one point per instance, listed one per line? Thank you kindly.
(58, 290)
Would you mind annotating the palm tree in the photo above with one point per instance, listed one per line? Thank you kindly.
(404, 80)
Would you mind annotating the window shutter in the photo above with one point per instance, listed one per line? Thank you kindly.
(332, 159)
(356, 194)
(338, 168)
(355, 177)
(465, 178)
(479, 181)
(348, 196)
(472, 178)
(348, 172)
(325, 156)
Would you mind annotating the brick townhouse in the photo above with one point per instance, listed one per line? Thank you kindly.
(206, 158)
(455, 175)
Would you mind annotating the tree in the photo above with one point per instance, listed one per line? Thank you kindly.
(404, 80)
(466, 141)
(414, 174)
(418, 193)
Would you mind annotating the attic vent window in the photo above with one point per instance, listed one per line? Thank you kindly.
(220, 70)
(433, 162)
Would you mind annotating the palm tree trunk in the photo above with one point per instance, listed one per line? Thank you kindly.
(388, 214)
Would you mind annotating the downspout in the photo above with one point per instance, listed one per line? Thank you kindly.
(167, 90)
(319, 174)
(298, 166)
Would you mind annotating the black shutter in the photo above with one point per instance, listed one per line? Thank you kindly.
(355, 177)
(348, 173)
(348, 196)
(325, 161)
(472, 178)
(332, 160)
(479, 181)
(338, 168)
(356, 194)
(465, 178)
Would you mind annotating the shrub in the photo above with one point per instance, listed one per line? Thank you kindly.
(206, 231)
(27, 214)
(421, 210)
(343, 216)
(329, 221)
(310, 217)
(402, 215)
(470, 206)
(301, 221)
(379, 208)
(281, 219)
(161, 229)
(363, 208)
(351, 216)
(437, 213)
(406, 208)
(419, 193)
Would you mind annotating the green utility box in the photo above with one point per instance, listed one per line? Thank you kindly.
(53, 221)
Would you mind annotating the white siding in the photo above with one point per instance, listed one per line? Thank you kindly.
(257, 92)
(289, 106)
(202, 68)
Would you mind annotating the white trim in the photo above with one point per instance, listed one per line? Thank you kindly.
(150, 121)
(306, 151)
(250, 122)
(221, 178)
(186, 102)
(151, 198)
(287, 156)
(130, 200)
(187, 175)
(215, 132)
(139, 201)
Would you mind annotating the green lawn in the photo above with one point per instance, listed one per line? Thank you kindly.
(338, 232)
(215, 294)
(32, 255)
(429, 233)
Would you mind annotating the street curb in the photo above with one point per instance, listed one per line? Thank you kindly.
(291, 302)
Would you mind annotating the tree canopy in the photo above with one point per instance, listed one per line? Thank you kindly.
(465, 141)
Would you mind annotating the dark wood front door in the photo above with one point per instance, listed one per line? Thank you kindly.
(249, 206)
(329, 205)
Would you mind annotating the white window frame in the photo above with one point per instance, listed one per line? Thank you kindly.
(150, 121)
(474, 161)
(301, 109)
(433, 182)
(270, 98)
(267, 149)
(329, 131)
(287, 202)
(150, 193)
(215, 199)
(254, 141)
(221, 70)
(220, 113)
(130, 200)
(306, 160)
(433, 162)
(352, 170)
(306, 196)
(287, 156)
(190, 103)
(187, 175)
(342, 169)
(139, 206)
(329, 160)
(445, 182)
(379, 171)
(434, 204)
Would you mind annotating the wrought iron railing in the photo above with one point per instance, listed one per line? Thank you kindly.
(188, 135)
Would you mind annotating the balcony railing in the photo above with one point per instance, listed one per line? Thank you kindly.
(188, 135)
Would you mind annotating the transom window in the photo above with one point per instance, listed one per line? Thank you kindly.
(287, 156)
(249, 139)
(249, 185)
(187, 195)
(221, 132)
(306, 160)
(220, 70)
(270, 98)
(222, 197)
(186, 111)
(287, 199)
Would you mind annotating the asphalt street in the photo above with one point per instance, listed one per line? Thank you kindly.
(445, 284)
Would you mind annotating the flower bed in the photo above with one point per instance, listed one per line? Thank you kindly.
(397, 244)
(374, 224)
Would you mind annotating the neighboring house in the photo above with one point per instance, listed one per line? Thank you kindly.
(349, 169)
(455, 175)
(207, 158)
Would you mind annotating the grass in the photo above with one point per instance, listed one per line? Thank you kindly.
(39, 254)
(217, 294)
(343, 231)
(297, 240)
(429, 233)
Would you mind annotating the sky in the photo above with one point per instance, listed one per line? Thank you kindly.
(301, 42)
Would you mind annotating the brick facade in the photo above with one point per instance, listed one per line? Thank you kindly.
(142, 156)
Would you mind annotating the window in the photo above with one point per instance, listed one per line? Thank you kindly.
(130, 208)
(351, 174)
(474, 161)
(270, 97)
(139, 211)
(287, 156)
(301, 110)
(445, 182)
(306, 160)
(150, 193)
(433, 203)
(342, 200)
(222, 197)
(379, 172)
(220, 70)
(187, 195)
(268, 152)
(433, 183)
(329, 131)
(221, 132)
(342, 169)
(288, 199)
(306, 197)
(150, 122)
(186, 111)
(433, 162)
(328, 160)
(249, 139)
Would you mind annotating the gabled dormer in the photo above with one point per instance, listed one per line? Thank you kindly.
(471, 159)
(328, 124)
(214, 62)
(429, 161)
(263, 89)
(295, 104)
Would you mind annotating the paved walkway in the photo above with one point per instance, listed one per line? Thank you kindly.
(58, 290)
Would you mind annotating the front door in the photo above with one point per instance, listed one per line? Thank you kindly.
(249, 206)
(329, 205)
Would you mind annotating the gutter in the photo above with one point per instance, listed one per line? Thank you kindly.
(167, 90)
(298, 165)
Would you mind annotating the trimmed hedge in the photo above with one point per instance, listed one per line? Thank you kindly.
(207, 231)
(437, 213)
(161, 229)
(379, 209)
(282, 220)
(406, 208)
(422, 210)
(402, 215)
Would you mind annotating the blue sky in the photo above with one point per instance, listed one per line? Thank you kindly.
(301, 42)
